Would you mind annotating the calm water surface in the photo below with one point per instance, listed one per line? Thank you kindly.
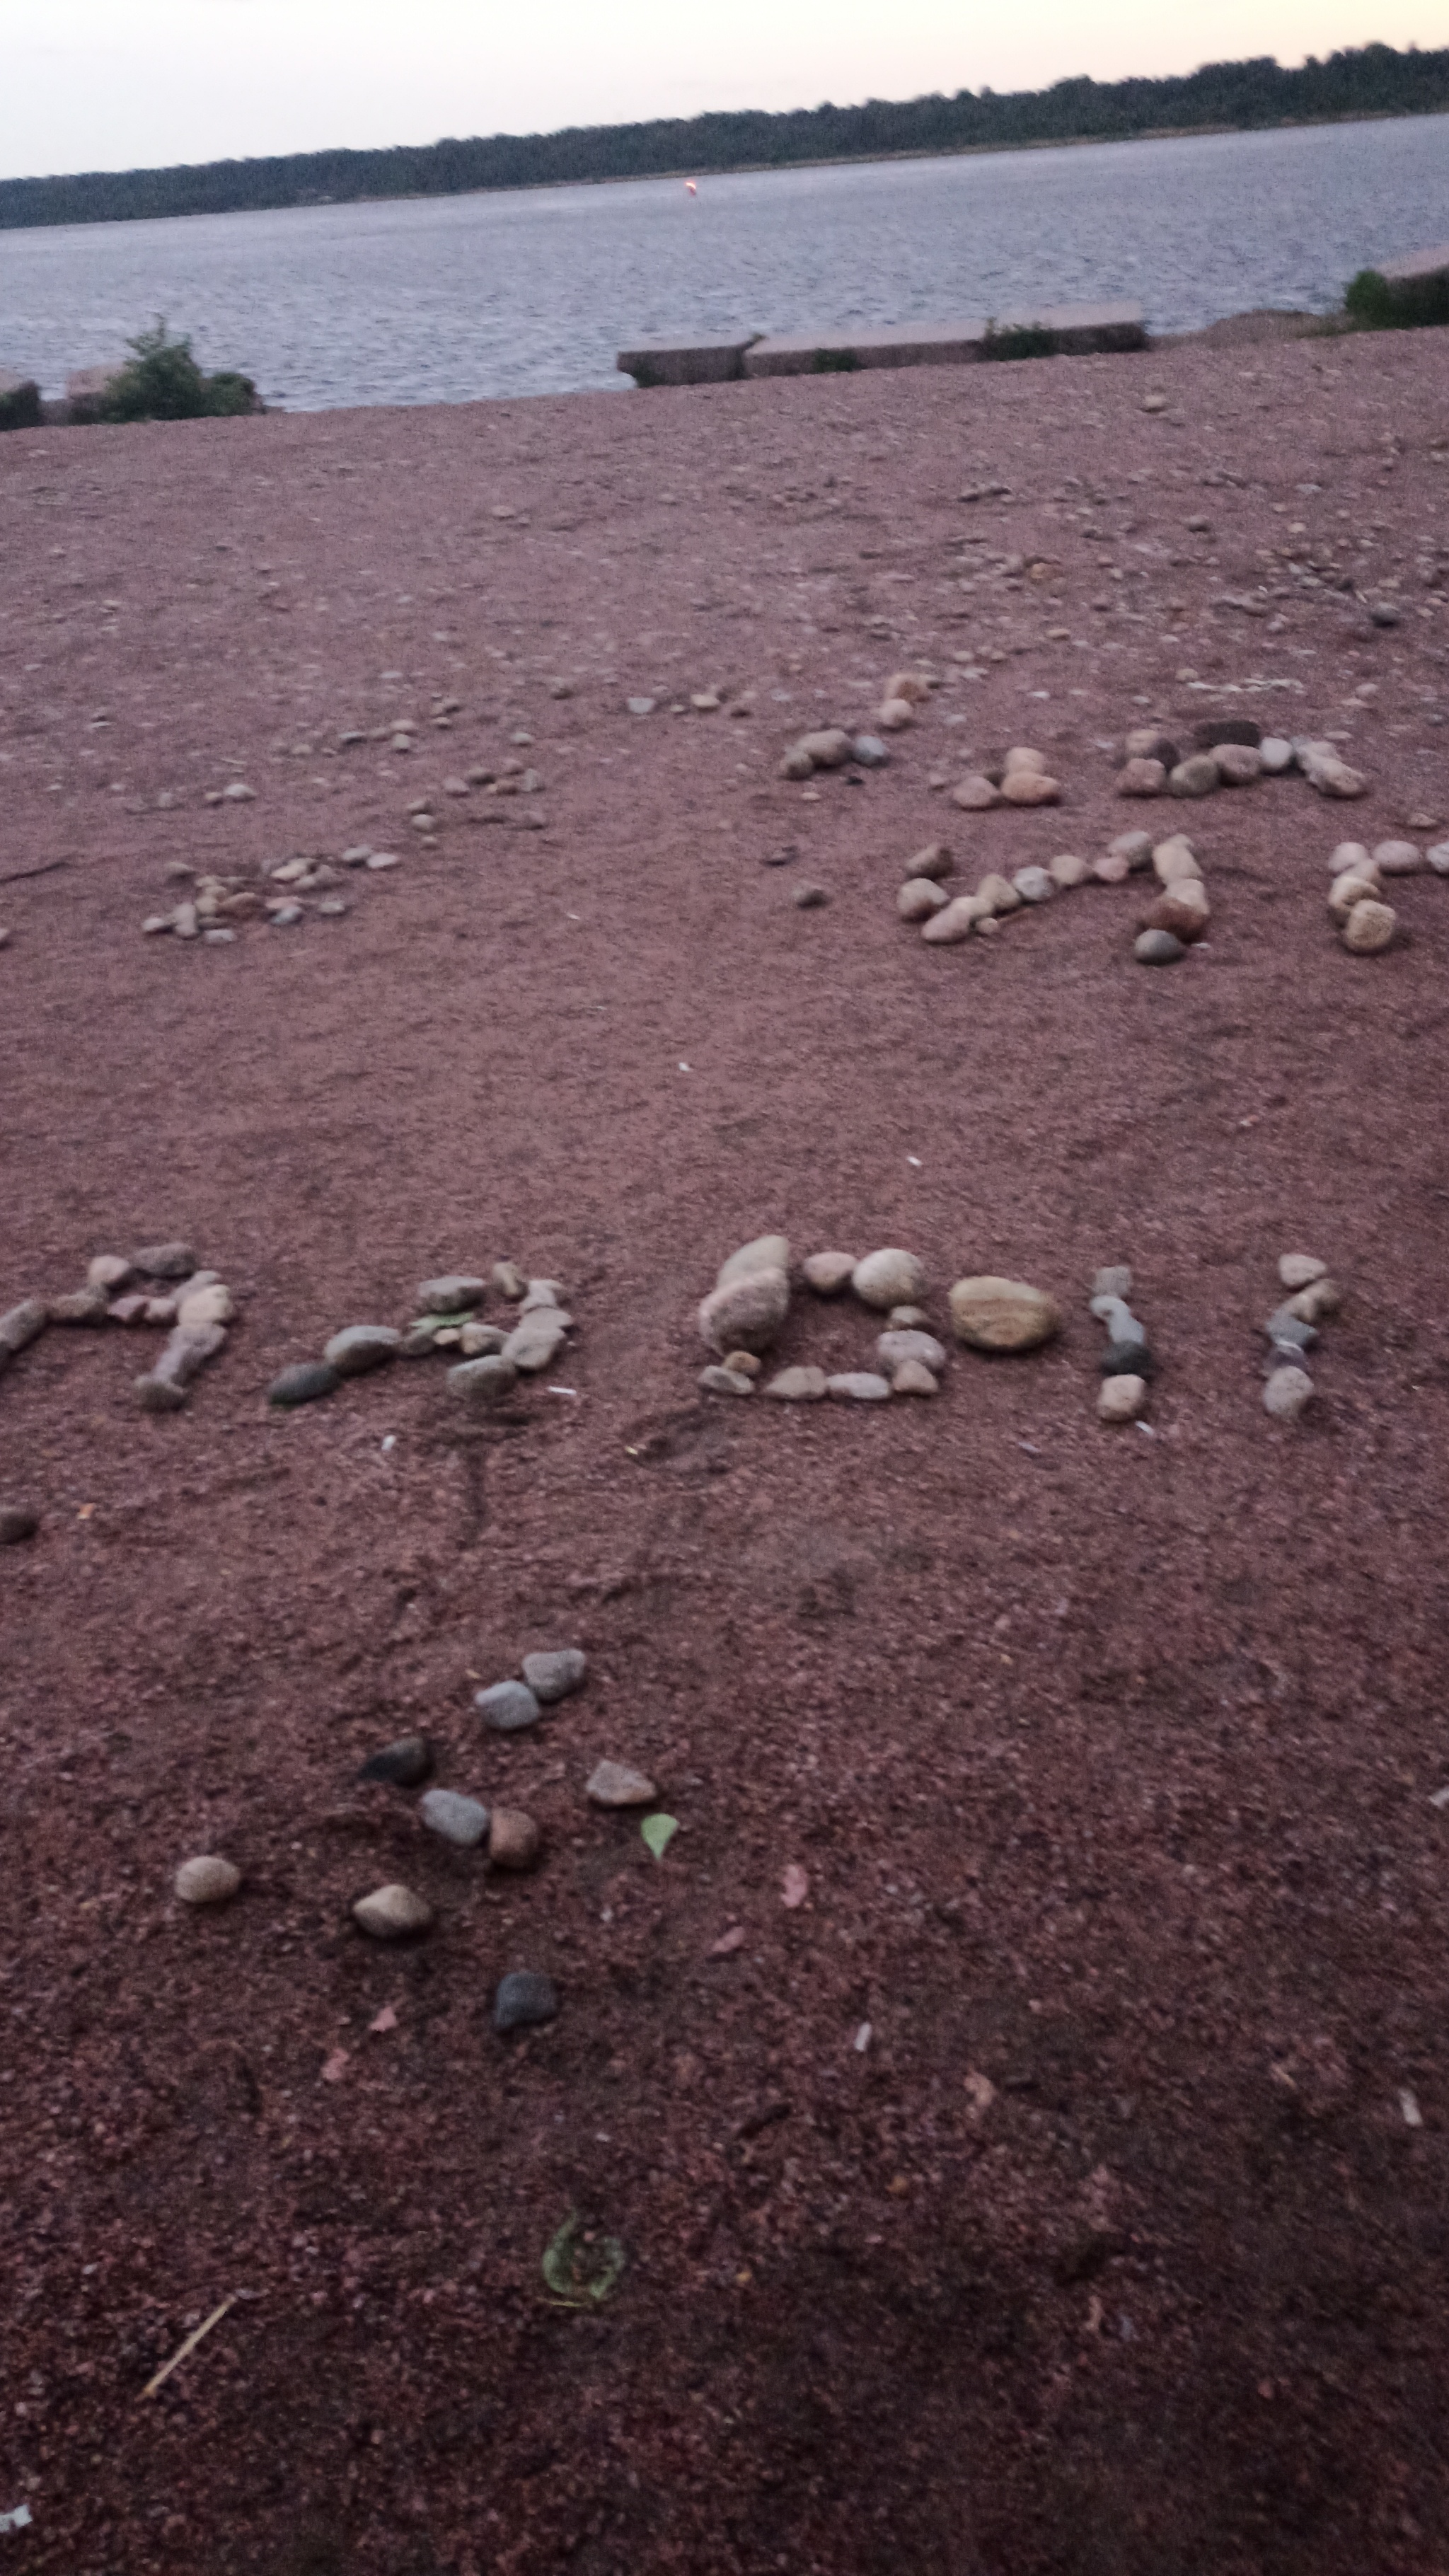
(447, 299)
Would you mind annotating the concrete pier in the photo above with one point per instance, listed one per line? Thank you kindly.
(1073, 329)
(686, 362)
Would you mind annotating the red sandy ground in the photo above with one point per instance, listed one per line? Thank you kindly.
(1109, 1757)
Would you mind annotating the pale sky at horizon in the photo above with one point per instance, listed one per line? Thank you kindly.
(122, 84)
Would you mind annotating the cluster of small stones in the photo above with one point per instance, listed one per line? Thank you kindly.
(713, 701)
(1366, 923)
(833, 747)
(490, 1358)
(1232, 752)
(218, 906)
(508, 1838)
(746, 1310)
(160, 1286)
(1127, 1361)
(1178, 915)
(1292, 1331)
(1023, 777)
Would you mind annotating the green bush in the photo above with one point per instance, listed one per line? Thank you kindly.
(1377, 303)
(20, 408)
(1019, 340)
(164, 382)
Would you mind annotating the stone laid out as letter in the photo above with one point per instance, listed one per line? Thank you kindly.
(1003, 1314)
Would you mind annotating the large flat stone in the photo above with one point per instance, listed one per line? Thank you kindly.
(685, 362)
(1075, 327)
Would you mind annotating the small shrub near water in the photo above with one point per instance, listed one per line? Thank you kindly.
(164, 382)
(20, 408)
(1019, 340)
(1377, 303)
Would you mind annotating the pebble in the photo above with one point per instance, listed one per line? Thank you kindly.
(524, 2000)
(1034, 885)
(1125, 1359)
(202, 1306)
(640, 706)
(1110, 869)
(894, 714)
(1141, 778)
(451, 1294)
(542, 1292)
(1284, 1326)
(1398, 858)
(1438, 858)
(485, 1380)
(1117, 1315)
(899, 1344)
(1175, 862)
(556, 1673)
(207, 1880)
(889, 1278)
(507, 1707)
(919, 897)
(360, 1347)
(1320, 1298)
(1121, 1398)
(1067, 870)
(858, 1386)
(17, 1524)
(479, 1341)
(82, 1306)
(1239, 764)
(509, 1281)
(975, 794)
(379, 861)
(1002, 1314)
(107, 1271)
(183, 1358)
(868, 751)
(1275, 754)
(996, 893)
(1183, 920)
(1369, 928)
(535, 1341)
(1300, 1269)
(303, 1383)
(514, 1840)
(1158, 948)
(763, 1252)
(827, 750)
(934, 860)
(18, 1328)
(743, 1363)
(459, 1820)
(614, 1784)
(957, 920)
(160, 1311)
(392, 1913)
(1135, 847)
(798, 1386)
(718, 1380)
(1114, 1282)
(1283, 1355)
(913, 1378)
(826, 1272)
(405, 1764)
(747, 1312)
(1346, 891)
(287, 915)
(809, 898)
(1148, 742)
(1026, 787)
(1197, 776)
(1286, 1393)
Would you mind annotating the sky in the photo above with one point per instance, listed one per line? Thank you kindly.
(126, 84)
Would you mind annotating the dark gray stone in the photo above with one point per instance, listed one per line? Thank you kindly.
(1285, 1326)
(809, 898)
(1158, 948)
(451, 1295)
(361, 1347)
(523, 2000)
(457, 1819)
(405, 1764)
(507, 1706)
(164, 1261)
(303, 1382)
(1126, 1359)
(557, 1674)
(16, 1523)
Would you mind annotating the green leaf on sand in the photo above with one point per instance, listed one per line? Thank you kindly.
(581, 2267)
(659, 1833)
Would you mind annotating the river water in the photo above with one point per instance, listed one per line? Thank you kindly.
(447, 299)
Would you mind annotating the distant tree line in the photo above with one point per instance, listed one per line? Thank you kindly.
(1369, 80)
